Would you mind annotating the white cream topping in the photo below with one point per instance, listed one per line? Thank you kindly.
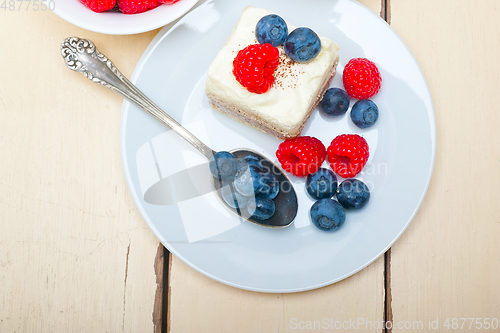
(296, 86)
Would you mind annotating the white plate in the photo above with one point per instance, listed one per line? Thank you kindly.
(114, 22)
(198, 230)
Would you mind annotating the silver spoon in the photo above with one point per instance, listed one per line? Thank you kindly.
(82, 56)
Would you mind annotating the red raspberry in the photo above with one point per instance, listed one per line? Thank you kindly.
(348, 154)
(168, 2)
(301, 156)
(137, 6)
(99, 5)
(254, 67)
(361, 78)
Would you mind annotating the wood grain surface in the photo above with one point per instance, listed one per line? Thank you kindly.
(75, 255)
(447, 264)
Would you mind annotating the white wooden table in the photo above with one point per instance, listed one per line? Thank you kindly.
(76, 256)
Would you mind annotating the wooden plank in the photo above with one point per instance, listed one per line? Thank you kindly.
(160, 305)
(199, 304)
(75, 254)
(446, 265)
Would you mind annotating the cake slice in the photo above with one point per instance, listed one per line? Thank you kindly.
(284, 109)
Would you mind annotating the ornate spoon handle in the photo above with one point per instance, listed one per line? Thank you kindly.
(82, 56)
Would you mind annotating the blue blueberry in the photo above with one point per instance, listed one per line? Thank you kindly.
(327, 214)
(248, 180)
(271, 186)
(335, 102)
(250, 160)
(321, 184)
(223, 165)
(261, 208)
(232, 197)
(353, 194)
(364, 113)
(302, 45)
(271, 29)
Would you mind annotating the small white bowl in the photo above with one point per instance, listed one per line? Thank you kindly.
(116, 23)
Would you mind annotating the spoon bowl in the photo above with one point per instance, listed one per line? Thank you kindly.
(82, 56)
(286, 201)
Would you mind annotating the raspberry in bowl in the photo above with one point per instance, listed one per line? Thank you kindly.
(99, 6)
(136, 6)
(254, 67)
(125, 6)
(114, 22)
